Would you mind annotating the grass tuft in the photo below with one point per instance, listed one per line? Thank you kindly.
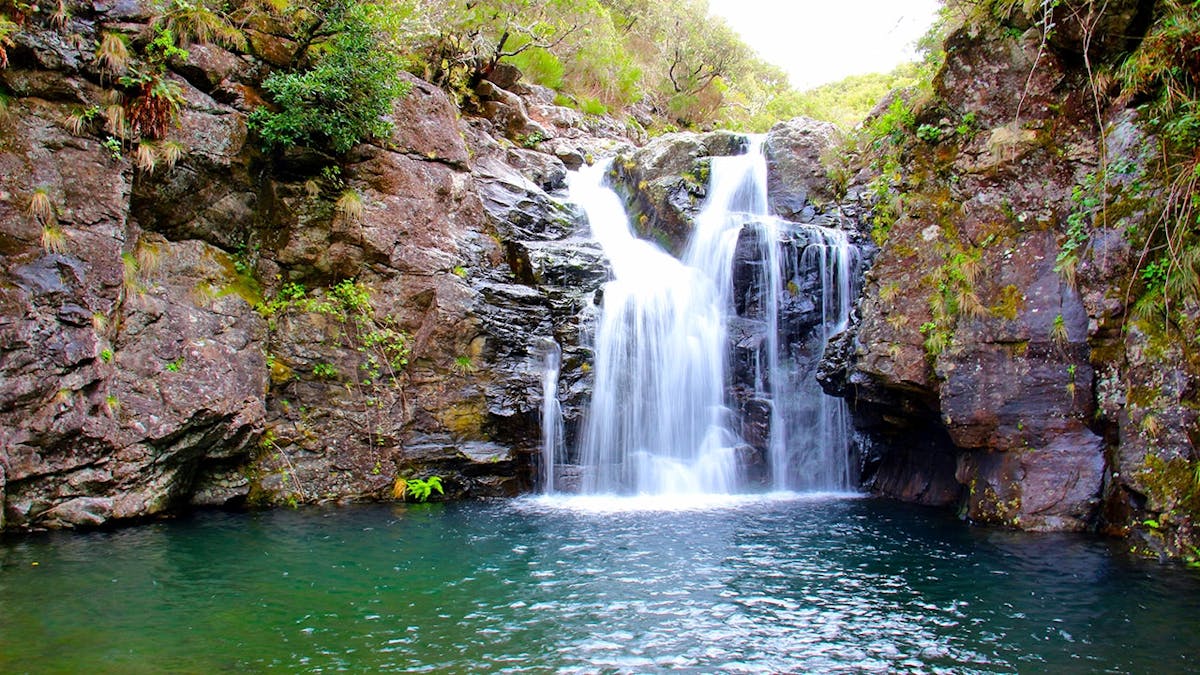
(54, 240)
(112, 54)
(350, 205)
(41, 209)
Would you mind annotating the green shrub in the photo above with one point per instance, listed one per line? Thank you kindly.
(541, 67)
(346, 94)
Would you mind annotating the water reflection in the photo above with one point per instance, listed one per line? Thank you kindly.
(766, 584)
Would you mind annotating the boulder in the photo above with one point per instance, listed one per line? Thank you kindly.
(664, 183)
(508, 112)
(426, 124)
(796, 173)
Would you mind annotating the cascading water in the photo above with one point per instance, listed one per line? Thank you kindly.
(810, 437)
(807, 444)
(552, 422)
(658, 421)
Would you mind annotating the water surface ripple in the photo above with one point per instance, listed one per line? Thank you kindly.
(771, 584)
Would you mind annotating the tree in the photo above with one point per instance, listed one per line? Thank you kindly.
(470, 38)
(690, 59)
(344, 81)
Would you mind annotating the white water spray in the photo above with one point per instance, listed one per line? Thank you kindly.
(552, 422)
(810, 438)
(658, 423)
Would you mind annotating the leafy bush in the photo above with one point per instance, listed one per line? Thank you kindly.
(540, 66)
(688, 66)
(347, 93)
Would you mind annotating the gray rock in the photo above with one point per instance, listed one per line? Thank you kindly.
(796, 173)
(664, 183)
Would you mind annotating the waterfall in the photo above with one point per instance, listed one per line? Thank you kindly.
(657, 423)
(552, 422)
(659, 420)
(810, 429)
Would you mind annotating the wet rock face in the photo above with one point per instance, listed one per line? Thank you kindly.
(121, 379)
(664, 183)
(150, 357)
(969, 325)
(127, 374)
(965, 312)
(553, 274)
(909, 459)
(477, 267)
(799, 316)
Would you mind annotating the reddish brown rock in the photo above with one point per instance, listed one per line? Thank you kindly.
(964, 313)
(143, 366)
(426, 124)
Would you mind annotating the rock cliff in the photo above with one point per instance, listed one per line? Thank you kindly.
(197, 321)
(227, 326)
(998, 363)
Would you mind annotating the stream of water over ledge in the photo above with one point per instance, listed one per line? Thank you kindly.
(772, 583)
(662, 417)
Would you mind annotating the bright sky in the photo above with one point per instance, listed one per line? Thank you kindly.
(819, 41)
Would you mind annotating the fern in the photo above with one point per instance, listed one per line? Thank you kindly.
(418, 489)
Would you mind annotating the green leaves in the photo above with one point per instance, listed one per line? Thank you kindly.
(8, 29)
(417, 489)
(1087, 199)
(346, 94)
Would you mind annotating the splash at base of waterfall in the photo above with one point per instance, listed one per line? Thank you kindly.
(604, 504)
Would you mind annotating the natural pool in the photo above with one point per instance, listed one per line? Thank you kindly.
(766, 584)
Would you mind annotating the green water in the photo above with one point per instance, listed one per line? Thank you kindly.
(766, 585)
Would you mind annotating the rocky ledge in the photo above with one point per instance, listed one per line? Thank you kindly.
(230, 327)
